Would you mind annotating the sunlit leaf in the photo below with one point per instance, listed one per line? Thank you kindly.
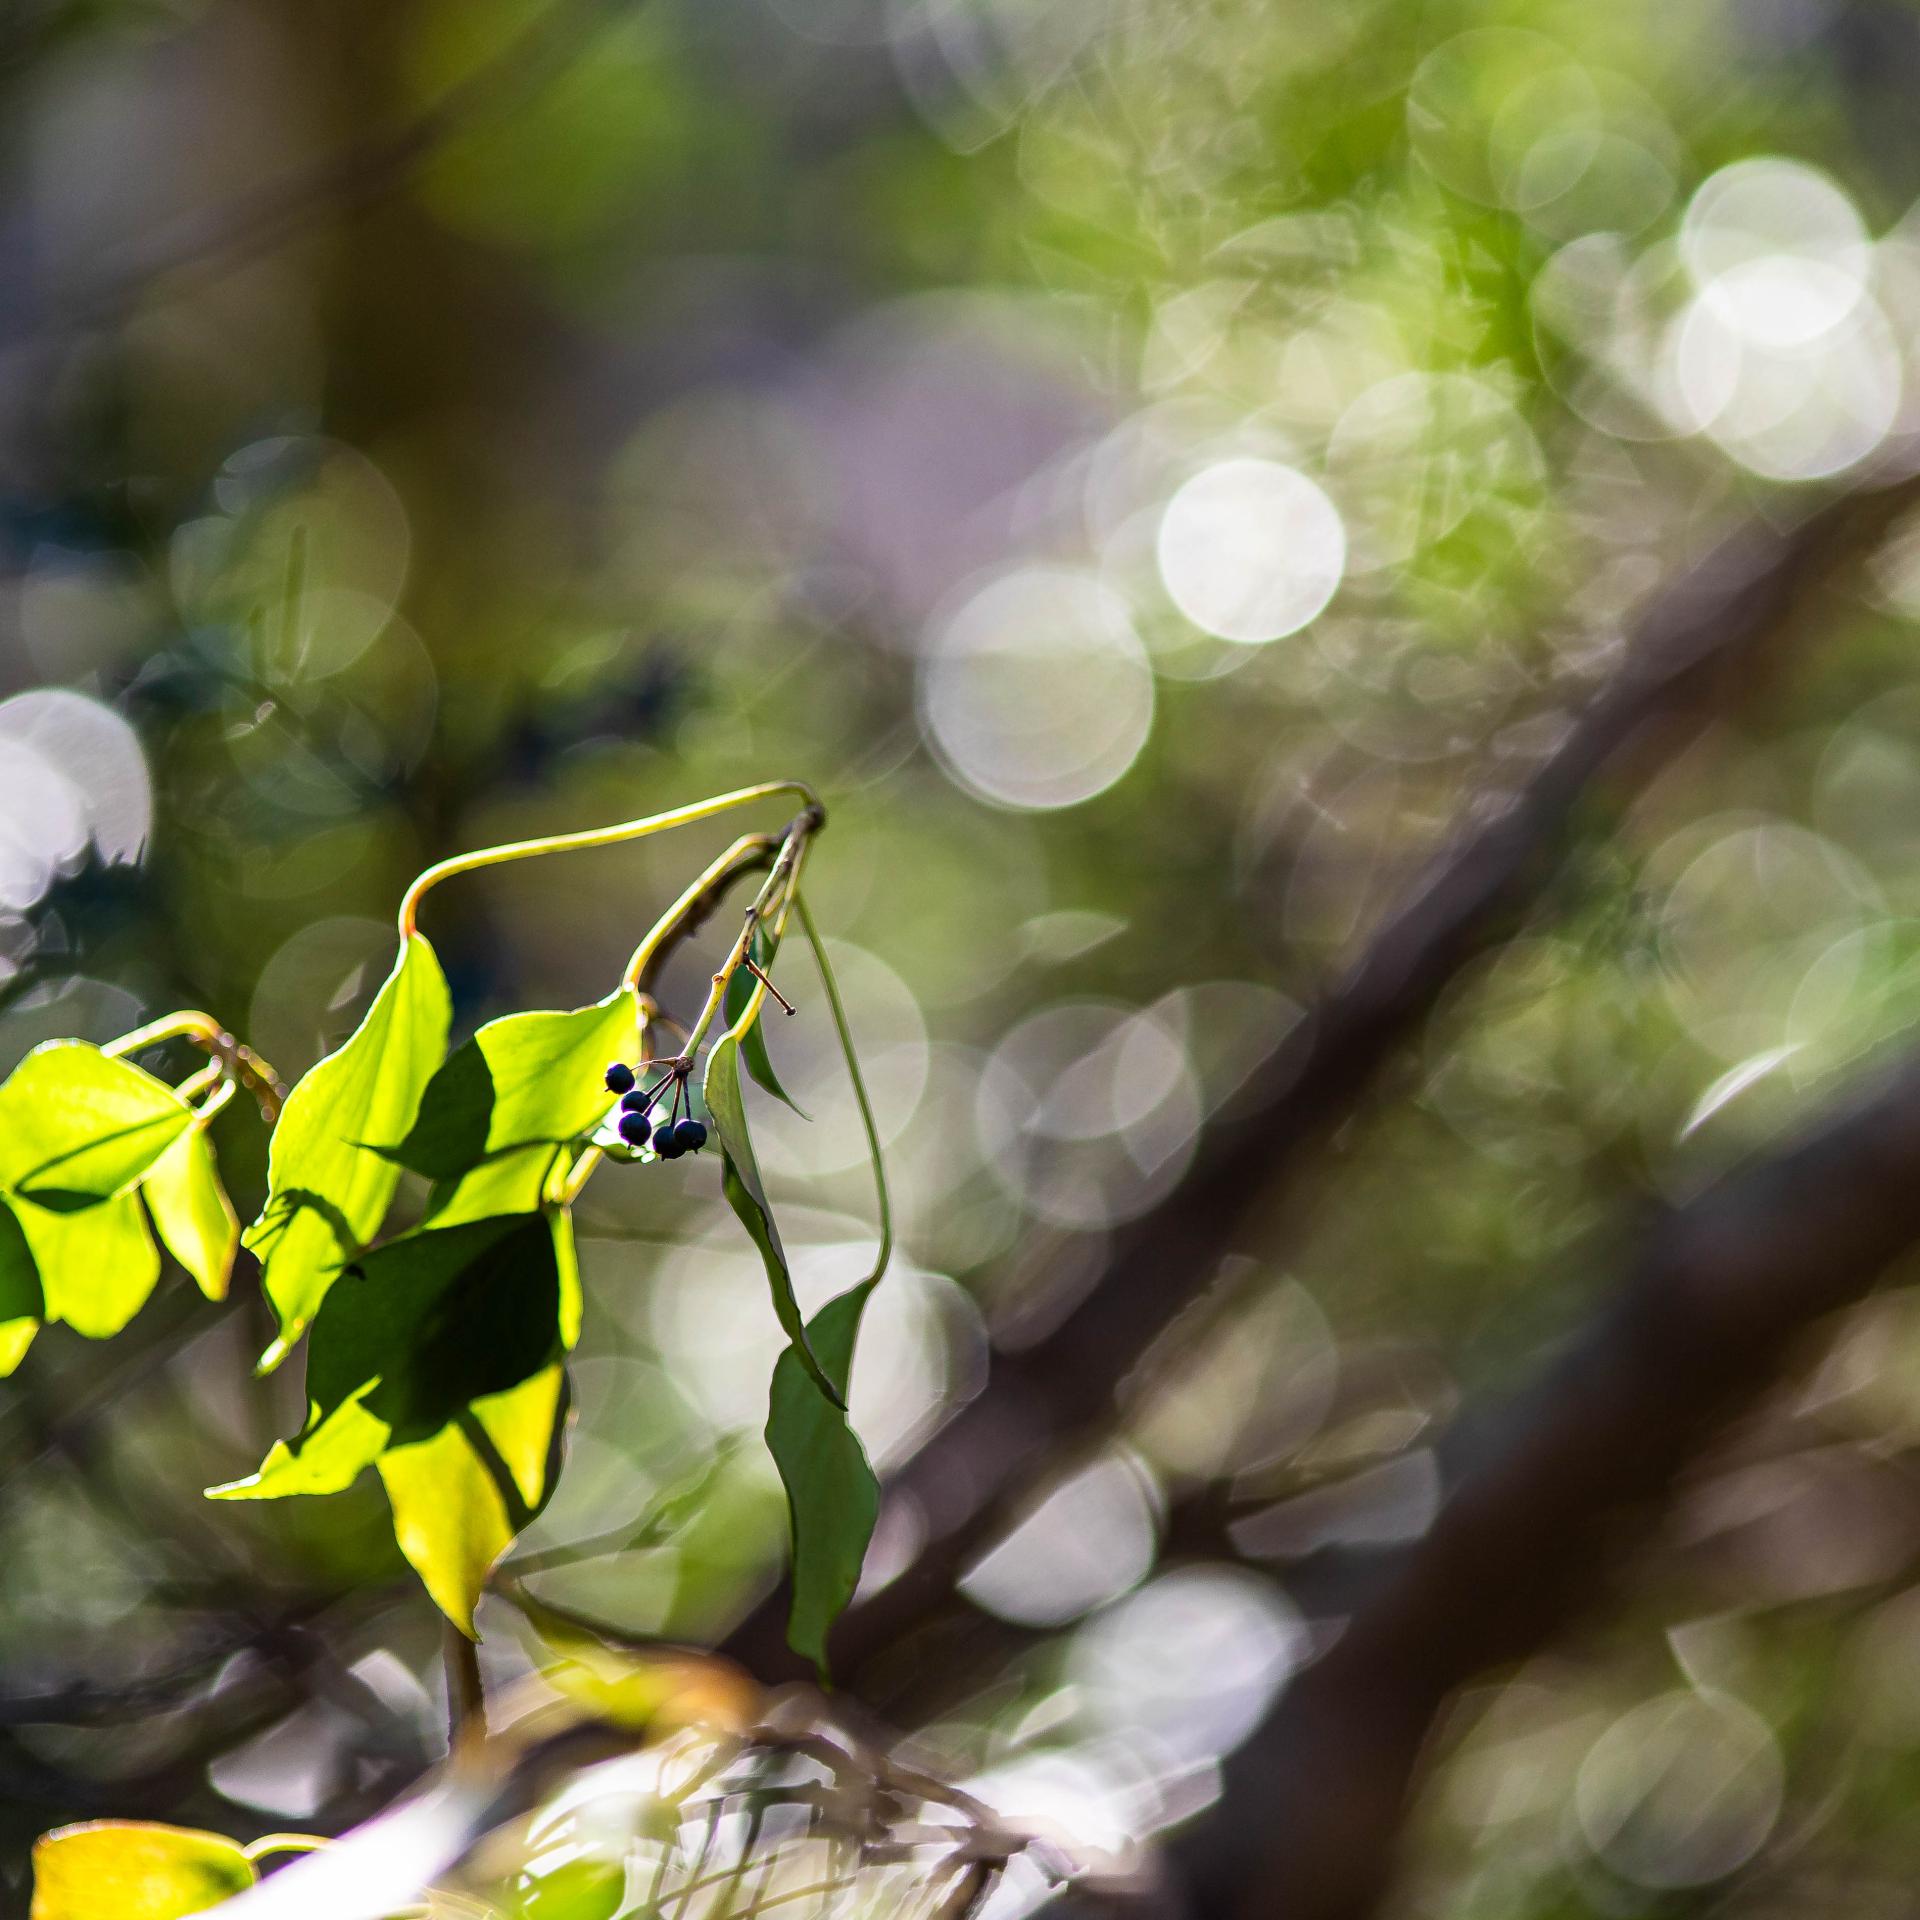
(578, 1888)
(134, 1870)
(97, 1262)
(753, 1043)
(327, 1189)
(77, 1124)
(529, 1078)
(22, 1305)
(740, 1181)
(195, 1219)
(460, 1496)
(833, 1497)
(409, 1337)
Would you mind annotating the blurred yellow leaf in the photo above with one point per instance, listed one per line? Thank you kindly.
(133, 1870)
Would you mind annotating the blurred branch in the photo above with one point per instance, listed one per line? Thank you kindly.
(1702, 642)
(221, 238)
(1717, 1296)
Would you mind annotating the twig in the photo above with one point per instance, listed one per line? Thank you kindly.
(1717, 1294)
(983, 1469)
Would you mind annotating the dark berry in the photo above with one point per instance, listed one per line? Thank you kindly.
(663, 1137)
(689, 1136)
(671, 1151)
(634, 1129)
(619, 1078)
(635, 1100)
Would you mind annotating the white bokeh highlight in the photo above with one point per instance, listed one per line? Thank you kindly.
(1251, 550)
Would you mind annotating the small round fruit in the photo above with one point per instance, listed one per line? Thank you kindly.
(634, 1129)
(672, 1149)
(690, 1136)
(619, 1078)
(635, 1100)
(663, 1136)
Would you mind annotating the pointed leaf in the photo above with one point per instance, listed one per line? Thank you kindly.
(134, 1870)
(77, 1124)
(753, 1043)
(22, 1305)
(97, 1263)
(408, 1337)
(327, 1191)
(460, 1496)
(526, 1078)
(833, 1497)
(740, 1181)
(195, 1219)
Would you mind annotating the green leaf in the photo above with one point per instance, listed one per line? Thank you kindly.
(195, 1219)
(740, 1181)
(97, 1262)
(461, 1496)
(753, 1043)
(833, 1497)
(134, 1870)
(579, 1888)
(531, 1077)
(409, 1337)
(77, 1124)
(22, 1305)
(327, 1190)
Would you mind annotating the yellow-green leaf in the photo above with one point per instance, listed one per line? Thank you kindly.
(191, 1211)
(460, 1496)
(134, 1870)
(97, 1262)
(77, 1124)
(328, 1184)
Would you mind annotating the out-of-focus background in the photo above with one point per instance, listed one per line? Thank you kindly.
(1161, 469)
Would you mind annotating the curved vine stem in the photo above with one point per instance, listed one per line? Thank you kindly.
(693, 906)
(867, 1121)
(595, 837)
(235, 1060)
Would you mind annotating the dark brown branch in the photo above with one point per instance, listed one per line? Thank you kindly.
(1718, 1294)
(972, 1482)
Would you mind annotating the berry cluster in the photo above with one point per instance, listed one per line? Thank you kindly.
(675, 1134)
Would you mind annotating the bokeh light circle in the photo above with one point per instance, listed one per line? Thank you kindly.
(1681, 1791)
(1036, 691)
(1251, 550)
(1089, 1112)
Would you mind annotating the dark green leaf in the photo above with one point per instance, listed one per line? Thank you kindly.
(753, 1043)
(833, 1497)
(414, 1333)
(22, 1305)
(740, 1181)
(77, 1124)
(134, 1870)
(327, 1191)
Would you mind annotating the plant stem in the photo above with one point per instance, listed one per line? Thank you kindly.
(786, 873)
(692, 908)
(859, 1083)
(466, 1692)
(234, 1058)
(594, 837)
